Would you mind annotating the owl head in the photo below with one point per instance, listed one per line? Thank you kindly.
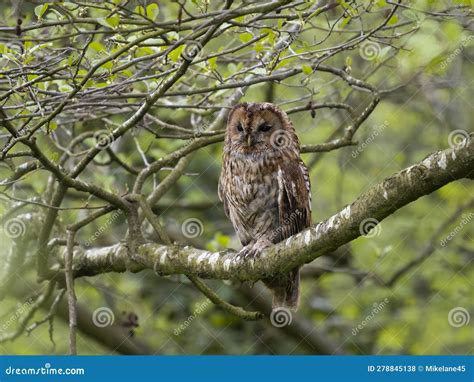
(257, 128)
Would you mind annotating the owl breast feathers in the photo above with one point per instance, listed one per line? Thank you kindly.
(265, 187)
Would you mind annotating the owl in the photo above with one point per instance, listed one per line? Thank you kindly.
(265, 187)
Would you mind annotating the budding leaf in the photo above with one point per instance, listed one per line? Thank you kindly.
(306, 69)
(152, 11)
(40, 10)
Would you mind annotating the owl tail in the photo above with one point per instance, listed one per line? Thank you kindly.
(285, 290)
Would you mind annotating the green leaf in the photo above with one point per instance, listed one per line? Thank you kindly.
(212, 63)
(222, 240)
(258, 47)
(102, 21)
(393, 20)
(52, 125)
(306, 69)
(144, 51)
(345, 21)
(126, 73)
(100, 84)
(348, 61)
(41, 9)
(271, 35)
(108, 65)
(280, 23)
(97, 46)
(245, 37)
(152, 11)
(140, 10)
(175, 54)
(72, 58)
(113, 21)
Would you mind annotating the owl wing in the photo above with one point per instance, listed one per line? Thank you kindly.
(221, 193)
(294, 198)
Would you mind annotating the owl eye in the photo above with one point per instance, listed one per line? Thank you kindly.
(239, 127)
(264, 127)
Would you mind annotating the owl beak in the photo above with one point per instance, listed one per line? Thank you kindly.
(249, 140)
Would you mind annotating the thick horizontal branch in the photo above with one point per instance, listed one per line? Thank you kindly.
(380, 201)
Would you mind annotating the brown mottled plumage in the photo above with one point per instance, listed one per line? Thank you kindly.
(265, 186)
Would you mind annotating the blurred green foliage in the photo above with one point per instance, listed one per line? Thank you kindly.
(432, 80)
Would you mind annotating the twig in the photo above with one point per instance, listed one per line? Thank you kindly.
(71, 295)
(214, 297)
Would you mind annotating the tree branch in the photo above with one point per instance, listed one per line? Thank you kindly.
(380, 201)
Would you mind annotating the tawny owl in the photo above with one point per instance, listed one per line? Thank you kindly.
(265, 187)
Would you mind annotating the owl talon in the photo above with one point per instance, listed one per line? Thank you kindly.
(246, 252)
(252, 250)
(250, 254)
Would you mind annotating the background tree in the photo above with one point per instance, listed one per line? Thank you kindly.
(112, 116)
